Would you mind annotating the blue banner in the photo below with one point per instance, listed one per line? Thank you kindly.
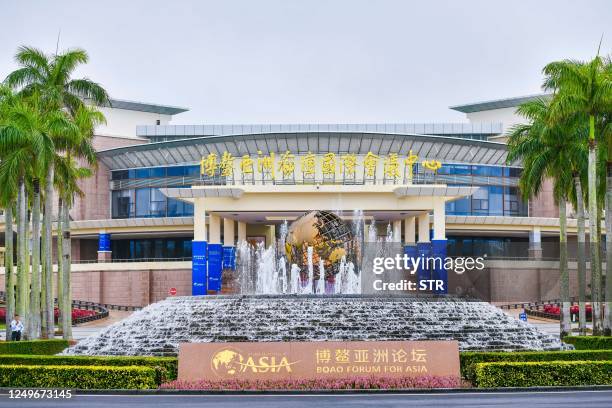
(104, 242)
(423, 251)
(198, 268)
(438, 250)
(215, 266)
(229, 257)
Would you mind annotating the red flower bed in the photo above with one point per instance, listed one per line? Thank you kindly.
(574, 309)
(354, 383)
(76, 313)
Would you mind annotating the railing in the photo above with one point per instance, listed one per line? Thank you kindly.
(100, 309)
(417, 178)
(132, 260)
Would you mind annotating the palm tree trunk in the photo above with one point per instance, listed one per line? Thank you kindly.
(47, 256)
(607, 324)
(60, 271)
(581, 258)
(34, 315)
(565, 328)
(593, 235)
(9, 273)
(23, 289)
(66, 264)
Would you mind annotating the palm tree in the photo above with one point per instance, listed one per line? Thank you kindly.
(69, 172)
(51, 78)
(583, 92)
(578, 203)
(547, 152)
(28, 140)
(7, 201)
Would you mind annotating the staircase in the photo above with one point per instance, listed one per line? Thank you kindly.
(160, 327)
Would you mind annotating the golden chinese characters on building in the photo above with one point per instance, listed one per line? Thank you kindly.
(288, 167)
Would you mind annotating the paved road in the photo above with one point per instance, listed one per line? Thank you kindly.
(591, 399)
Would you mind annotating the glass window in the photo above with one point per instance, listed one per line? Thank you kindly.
(157, 172)
(122, 204)
(176, 171)
(120, 175)
(460, 169)
(143, 202)
(192, 170)
(496, 200)
(158, 203)
(142, 173)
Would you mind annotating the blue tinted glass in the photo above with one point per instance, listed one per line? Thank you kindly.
(496, 200)
(188, 211)
(176, 171)
(143, 202)
(120, 175)
(142, 173)
(192, 170)
(460, 169)
(158, 172)
(495, 171)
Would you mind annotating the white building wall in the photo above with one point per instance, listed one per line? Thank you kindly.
(507, 116)
(122, 122)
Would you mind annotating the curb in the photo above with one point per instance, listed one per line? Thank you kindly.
(416, 391)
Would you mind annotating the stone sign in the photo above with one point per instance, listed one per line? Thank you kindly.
(304, 360)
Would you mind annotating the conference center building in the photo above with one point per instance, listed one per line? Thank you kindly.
(168, 200)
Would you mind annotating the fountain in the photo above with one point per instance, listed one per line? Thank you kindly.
(307, 287)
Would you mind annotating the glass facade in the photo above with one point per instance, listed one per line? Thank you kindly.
(152, 248)
(512, 247)
(147, 202)
(498, 195)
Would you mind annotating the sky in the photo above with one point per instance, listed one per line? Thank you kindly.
(311, 61)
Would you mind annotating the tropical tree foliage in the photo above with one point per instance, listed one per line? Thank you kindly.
(46, 132)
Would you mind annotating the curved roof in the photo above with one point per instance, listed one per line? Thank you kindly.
(146, 107)
(442, 148)
(496, 103)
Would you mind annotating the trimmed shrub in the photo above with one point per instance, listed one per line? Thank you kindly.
(79, 377)
(469, 359)
(42, 347)
(353, 383)
(542, 374)
(590, 342)
(165, 367)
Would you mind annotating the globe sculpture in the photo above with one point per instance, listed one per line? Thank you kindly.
(331, 241)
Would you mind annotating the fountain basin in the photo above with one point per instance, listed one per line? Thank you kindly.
(159, 328)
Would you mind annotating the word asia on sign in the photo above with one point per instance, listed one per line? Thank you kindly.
(285, 166)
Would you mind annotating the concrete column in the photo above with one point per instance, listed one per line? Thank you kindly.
(439, 219)
(242, 231)
(535, 243)
(397, 231)
(270, 235)
(409, 231)
(228, 232)
(214, 227)
(424, 227)
(199, 220)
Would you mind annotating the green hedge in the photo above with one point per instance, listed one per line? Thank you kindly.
(81, 377)
(542, 374)
(469, 359)
(165, 367)
(590, 342)
(45, 347)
